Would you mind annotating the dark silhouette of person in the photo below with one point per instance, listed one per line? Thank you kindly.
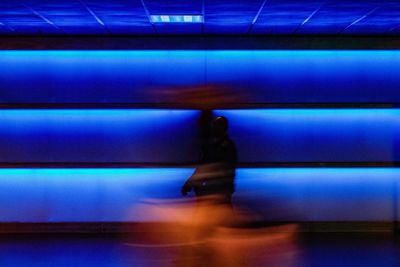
(215, 176)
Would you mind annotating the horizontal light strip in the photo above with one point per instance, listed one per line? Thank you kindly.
(176, 18)
(120, 195)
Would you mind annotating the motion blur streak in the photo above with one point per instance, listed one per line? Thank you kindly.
(205, 233)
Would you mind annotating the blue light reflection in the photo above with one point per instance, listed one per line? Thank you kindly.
(98, 135)
(309, 194)
(138, 76)
(320, 194)
(315, 135)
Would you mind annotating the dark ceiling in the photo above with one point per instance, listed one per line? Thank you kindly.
(116, 17)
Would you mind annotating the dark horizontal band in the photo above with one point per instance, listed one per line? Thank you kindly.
(8, 230)
(193, 164)
(200, 42)
(195, 105)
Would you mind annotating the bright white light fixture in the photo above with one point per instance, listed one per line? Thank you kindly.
(176, 18)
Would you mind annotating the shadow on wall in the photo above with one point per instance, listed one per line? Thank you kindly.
(208, 96)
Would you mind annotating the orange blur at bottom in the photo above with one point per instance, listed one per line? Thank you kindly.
(206, 232)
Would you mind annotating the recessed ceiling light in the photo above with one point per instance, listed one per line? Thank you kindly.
(176, 18)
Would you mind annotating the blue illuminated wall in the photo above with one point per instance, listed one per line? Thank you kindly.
(83, 195)
(270, 135)
(114, 135)
(170, 136)
(138, 76)
(97, 195)
(315, 135)
(320, 194)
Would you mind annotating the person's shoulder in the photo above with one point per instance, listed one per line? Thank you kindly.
(228, 142)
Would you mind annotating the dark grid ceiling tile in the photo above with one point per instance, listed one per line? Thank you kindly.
(338, 18)
(383, 20)
(70, 17)
(236, 16)
(107, 17)
(18, 18)
(174, 7)
(121, 16)
(279, 17)
(179, 29)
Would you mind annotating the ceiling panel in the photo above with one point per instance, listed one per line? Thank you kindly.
(224, 16)
(121, 16)
(285, 17)
(179, 29)
(108, 17)
(338, 17)
(70, 17)
(19, 19)
(173, 7)
(383, 20)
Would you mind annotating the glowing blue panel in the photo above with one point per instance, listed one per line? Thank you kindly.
(261, 135)
(115, 135)
(150, 76)
(326, 194)
(95, 195)
(315, 135)
(308, 76)
(176, 18)
(84, 195)
(96, 76)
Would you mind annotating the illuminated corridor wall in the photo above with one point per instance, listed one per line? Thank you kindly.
(315, 135)
(137, 76)
(90, 195)
(98, 135)
(169, 136)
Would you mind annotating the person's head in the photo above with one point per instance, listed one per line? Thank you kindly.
(220, 126)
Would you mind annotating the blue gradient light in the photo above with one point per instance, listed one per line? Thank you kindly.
(321, 194)
(147, 76)
(309, 194)
(315, 135)
(270, 135)
(54, 195)
(98, 135)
